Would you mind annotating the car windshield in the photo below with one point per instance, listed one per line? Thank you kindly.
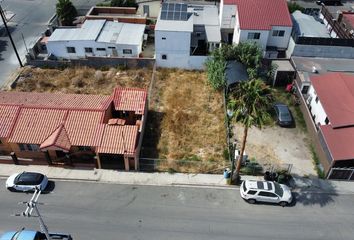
(29, 178)
(278, 189)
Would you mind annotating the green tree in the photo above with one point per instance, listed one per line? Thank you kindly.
(124, 3)
(293, 6)
(250, 102)
(66, 12)
(250, 55)
(216, 65)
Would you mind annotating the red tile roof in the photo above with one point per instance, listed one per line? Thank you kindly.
(261, 14)
(34, 125)
(336, 94)
(62, 120)
(59, 139)
(349, 16)
(125, 139)
(340, 142)
(8, 116)
(130, 99)
(55, 100)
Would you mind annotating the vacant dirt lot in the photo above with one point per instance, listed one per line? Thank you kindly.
(276, 146)
(81, 80)
(186, 122)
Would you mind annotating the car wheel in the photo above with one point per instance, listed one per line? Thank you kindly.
(251, 201)
(11, 189)
(283, 204)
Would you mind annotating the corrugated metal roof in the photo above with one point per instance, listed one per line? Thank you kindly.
(90, 30)
(307, 26)
(130, 99)
(55, 100)
(34, 125)
(122, 33)
(261, 14)
(59, 138)
(118, 139)
(7, 119)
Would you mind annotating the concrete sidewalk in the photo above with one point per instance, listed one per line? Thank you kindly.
(167, 179)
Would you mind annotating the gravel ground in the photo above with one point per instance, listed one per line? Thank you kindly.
(276, 146)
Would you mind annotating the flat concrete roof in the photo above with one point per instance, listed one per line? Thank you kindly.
(323, 65)
(283, 65)
(122, 33)
(307, 26)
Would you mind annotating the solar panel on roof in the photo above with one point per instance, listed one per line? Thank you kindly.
(174, 11)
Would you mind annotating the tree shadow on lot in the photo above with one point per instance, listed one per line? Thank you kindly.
(152, 135)
(312, 191)
(3, 47)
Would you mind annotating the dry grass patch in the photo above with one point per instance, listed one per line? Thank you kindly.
(190, 122)
(81, 80)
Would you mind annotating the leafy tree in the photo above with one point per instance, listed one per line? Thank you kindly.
(293, 6)
(250, 55)
(124, 3)
(250, 103)
(66, 12)
(216, 65)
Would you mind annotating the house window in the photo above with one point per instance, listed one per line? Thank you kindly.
(164, 56)
(100, 49)
(163, 38)
(112, 47)
(84, 148)
(70, 50)
(88, 50)
(327, 121)
(28, 147)
(278, 33)
(127, 51)
(233, 16)
(253, 35)
(316, 100)
(305, 89)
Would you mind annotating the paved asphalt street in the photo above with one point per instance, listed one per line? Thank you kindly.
(92, 211)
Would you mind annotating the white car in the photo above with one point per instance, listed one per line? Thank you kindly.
(265, 191)
(26, 181)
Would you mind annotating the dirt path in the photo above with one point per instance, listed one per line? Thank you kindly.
(278, 146)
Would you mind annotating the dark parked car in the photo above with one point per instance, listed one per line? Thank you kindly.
(284, 116)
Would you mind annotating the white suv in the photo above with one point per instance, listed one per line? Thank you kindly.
(264, 191)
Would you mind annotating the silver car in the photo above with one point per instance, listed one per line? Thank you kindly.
(265, 191)
(26, 181)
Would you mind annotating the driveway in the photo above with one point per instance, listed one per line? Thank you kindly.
(276, 146)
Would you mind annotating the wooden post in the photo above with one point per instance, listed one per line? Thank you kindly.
(14, 158)
(126, 162)
(47, 157)
(98, 161)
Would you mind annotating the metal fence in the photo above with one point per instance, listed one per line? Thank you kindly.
(341, 174)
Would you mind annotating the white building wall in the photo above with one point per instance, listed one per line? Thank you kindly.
(277, 41)
(227, 16)
(316, 108)
(175, 46)
(243, 37)
(59, 49)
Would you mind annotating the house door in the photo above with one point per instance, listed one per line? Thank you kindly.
(60, 154)
(147, 10)
(112, 51)
(230, 36)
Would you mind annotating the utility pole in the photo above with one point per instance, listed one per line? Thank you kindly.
(32, 204)
(9, 34)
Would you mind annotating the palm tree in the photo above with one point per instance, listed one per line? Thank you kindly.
(66, 12)
(250, 103)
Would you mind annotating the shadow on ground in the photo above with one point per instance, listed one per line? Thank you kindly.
(312, 191)
(50, 187)
(3, 47)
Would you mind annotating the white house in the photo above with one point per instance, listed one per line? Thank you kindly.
(266, 22)
(331, 106)
(97, 38)
(184, 34)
